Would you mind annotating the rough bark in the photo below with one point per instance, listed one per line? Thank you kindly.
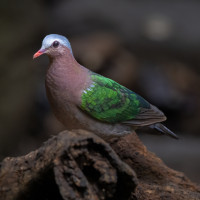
(156, 180)
(70, 166)
(79, 165)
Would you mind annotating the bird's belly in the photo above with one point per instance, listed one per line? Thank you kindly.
(73, 117)
(65, 113)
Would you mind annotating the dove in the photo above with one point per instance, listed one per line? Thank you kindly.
(82, 99)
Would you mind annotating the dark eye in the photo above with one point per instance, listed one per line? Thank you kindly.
(55, 44)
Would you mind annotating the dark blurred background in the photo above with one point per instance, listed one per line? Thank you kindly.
(152, 47)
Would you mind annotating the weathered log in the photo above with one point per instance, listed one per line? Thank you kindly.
(156, 180)
(71, 166)
(79, 165)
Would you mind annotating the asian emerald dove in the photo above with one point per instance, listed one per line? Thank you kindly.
(83, 99)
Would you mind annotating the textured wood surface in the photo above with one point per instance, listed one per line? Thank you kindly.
(80, 165)
(156, 180)
(70, 166)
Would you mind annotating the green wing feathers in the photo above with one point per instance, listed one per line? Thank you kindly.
(108, 101)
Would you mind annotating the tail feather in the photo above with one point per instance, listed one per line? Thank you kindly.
(163, 129)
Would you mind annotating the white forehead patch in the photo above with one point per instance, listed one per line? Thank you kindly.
(49, 39)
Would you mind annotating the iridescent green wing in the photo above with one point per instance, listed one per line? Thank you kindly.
(108, 101)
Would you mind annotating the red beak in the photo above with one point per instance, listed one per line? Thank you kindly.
(38, 53)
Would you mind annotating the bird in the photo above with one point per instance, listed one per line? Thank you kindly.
(82, 99)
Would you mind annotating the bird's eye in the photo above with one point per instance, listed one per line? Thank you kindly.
(55, 44)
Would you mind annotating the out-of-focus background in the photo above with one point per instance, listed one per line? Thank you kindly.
(152, 47)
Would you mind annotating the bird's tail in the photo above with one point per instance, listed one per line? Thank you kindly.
(164, 130)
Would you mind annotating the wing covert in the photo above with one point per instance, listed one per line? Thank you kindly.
(108, 101)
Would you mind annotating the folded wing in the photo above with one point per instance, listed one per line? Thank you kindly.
(110, 102)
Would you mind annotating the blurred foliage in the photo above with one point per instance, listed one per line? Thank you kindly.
(151, 47)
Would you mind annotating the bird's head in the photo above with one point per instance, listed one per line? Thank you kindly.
(53, 45)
